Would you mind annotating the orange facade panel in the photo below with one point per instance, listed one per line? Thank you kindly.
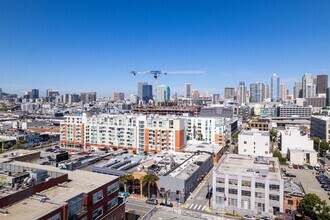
(179, 140)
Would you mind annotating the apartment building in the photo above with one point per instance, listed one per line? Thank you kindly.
(254, 142)
(248, 185)
(209, 129)
(136, 133)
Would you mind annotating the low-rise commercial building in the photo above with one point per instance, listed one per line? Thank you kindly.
(248, 185)
(293, 194)
(179, 182)
(293, 138)
(261, 124)
(194, 146)
(293, 110)
(254, 143)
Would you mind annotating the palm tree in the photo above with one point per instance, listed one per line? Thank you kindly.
(150, 179)
(126, 179)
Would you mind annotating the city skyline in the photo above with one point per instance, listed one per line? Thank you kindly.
(62, 44)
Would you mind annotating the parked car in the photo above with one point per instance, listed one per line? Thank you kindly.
(327, 189)
(152, 201)
(125, 194)
(310, 167)
(290, 166)
(283, 170)
(295, 167)
(248, 217)
(264, 218)
(290, 175)
(317, 167)
(301, 167)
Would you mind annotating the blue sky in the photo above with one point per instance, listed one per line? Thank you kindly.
(77, 46)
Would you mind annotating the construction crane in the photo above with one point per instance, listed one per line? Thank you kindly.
(157, 73)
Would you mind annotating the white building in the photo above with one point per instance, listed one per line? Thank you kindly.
(293, 139)
(308, 86)
(254, 142)
(209, 129)
(137, 134)
(247, 185)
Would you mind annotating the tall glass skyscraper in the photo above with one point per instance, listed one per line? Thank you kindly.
(275, 88)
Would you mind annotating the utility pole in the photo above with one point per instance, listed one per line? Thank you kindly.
(208, 192)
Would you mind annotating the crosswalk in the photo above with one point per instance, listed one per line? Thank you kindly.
(197, 207)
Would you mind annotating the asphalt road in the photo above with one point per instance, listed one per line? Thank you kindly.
(138, 206)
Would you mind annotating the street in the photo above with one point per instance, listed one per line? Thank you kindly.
(197, 200)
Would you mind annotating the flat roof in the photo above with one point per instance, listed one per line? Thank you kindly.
(81, 182)
(253, 132)
(244, 165)
(186, 169)
(194, 146)
(18, 153)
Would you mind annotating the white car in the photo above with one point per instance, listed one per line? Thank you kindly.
(290, 166)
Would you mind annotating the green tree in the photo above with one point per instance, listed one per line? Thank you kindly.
(316, 143)
(273, 134)
(324, 145)
(277, 153)
(312, 206)
(125, 180)
(150, 179)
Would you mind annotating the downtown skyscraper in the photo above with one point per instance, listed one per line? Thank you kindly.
(241, 93)
(275, 88)
(256, 92)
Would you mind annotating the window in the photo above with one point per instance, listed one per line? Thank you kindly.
(290, 202)
(274, 197)
(274, 187)
(219, 200)
(162, 189)
(56, 217)
(97, 213)
(220, 189)
(259, 195)
(245, 142)
(246, 193)
(112, 203)
(260, 207)
(266, 152)
(178, 192)
(232, 182)
(232, 191)
(97, 196)
(220, 180)
(246, 183)
(111, 188)
(232, 202)
(260, 185)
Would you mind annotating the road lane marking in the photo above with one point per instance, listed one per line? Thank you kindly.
(199, 207)
(203, 208)
(195, 206)
(191, 206)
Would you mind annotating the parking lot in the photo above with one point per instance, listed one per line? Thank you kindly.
(309, 182)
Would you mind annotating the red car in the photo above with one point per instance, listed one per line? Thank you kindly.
(295, 167)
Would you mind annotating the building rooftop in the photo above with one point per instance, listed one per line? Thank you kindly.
(194, 146)
(243, 165)
(322, 117)
(293, 188)
(254, 132)
(186, 169)
(79, 182)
